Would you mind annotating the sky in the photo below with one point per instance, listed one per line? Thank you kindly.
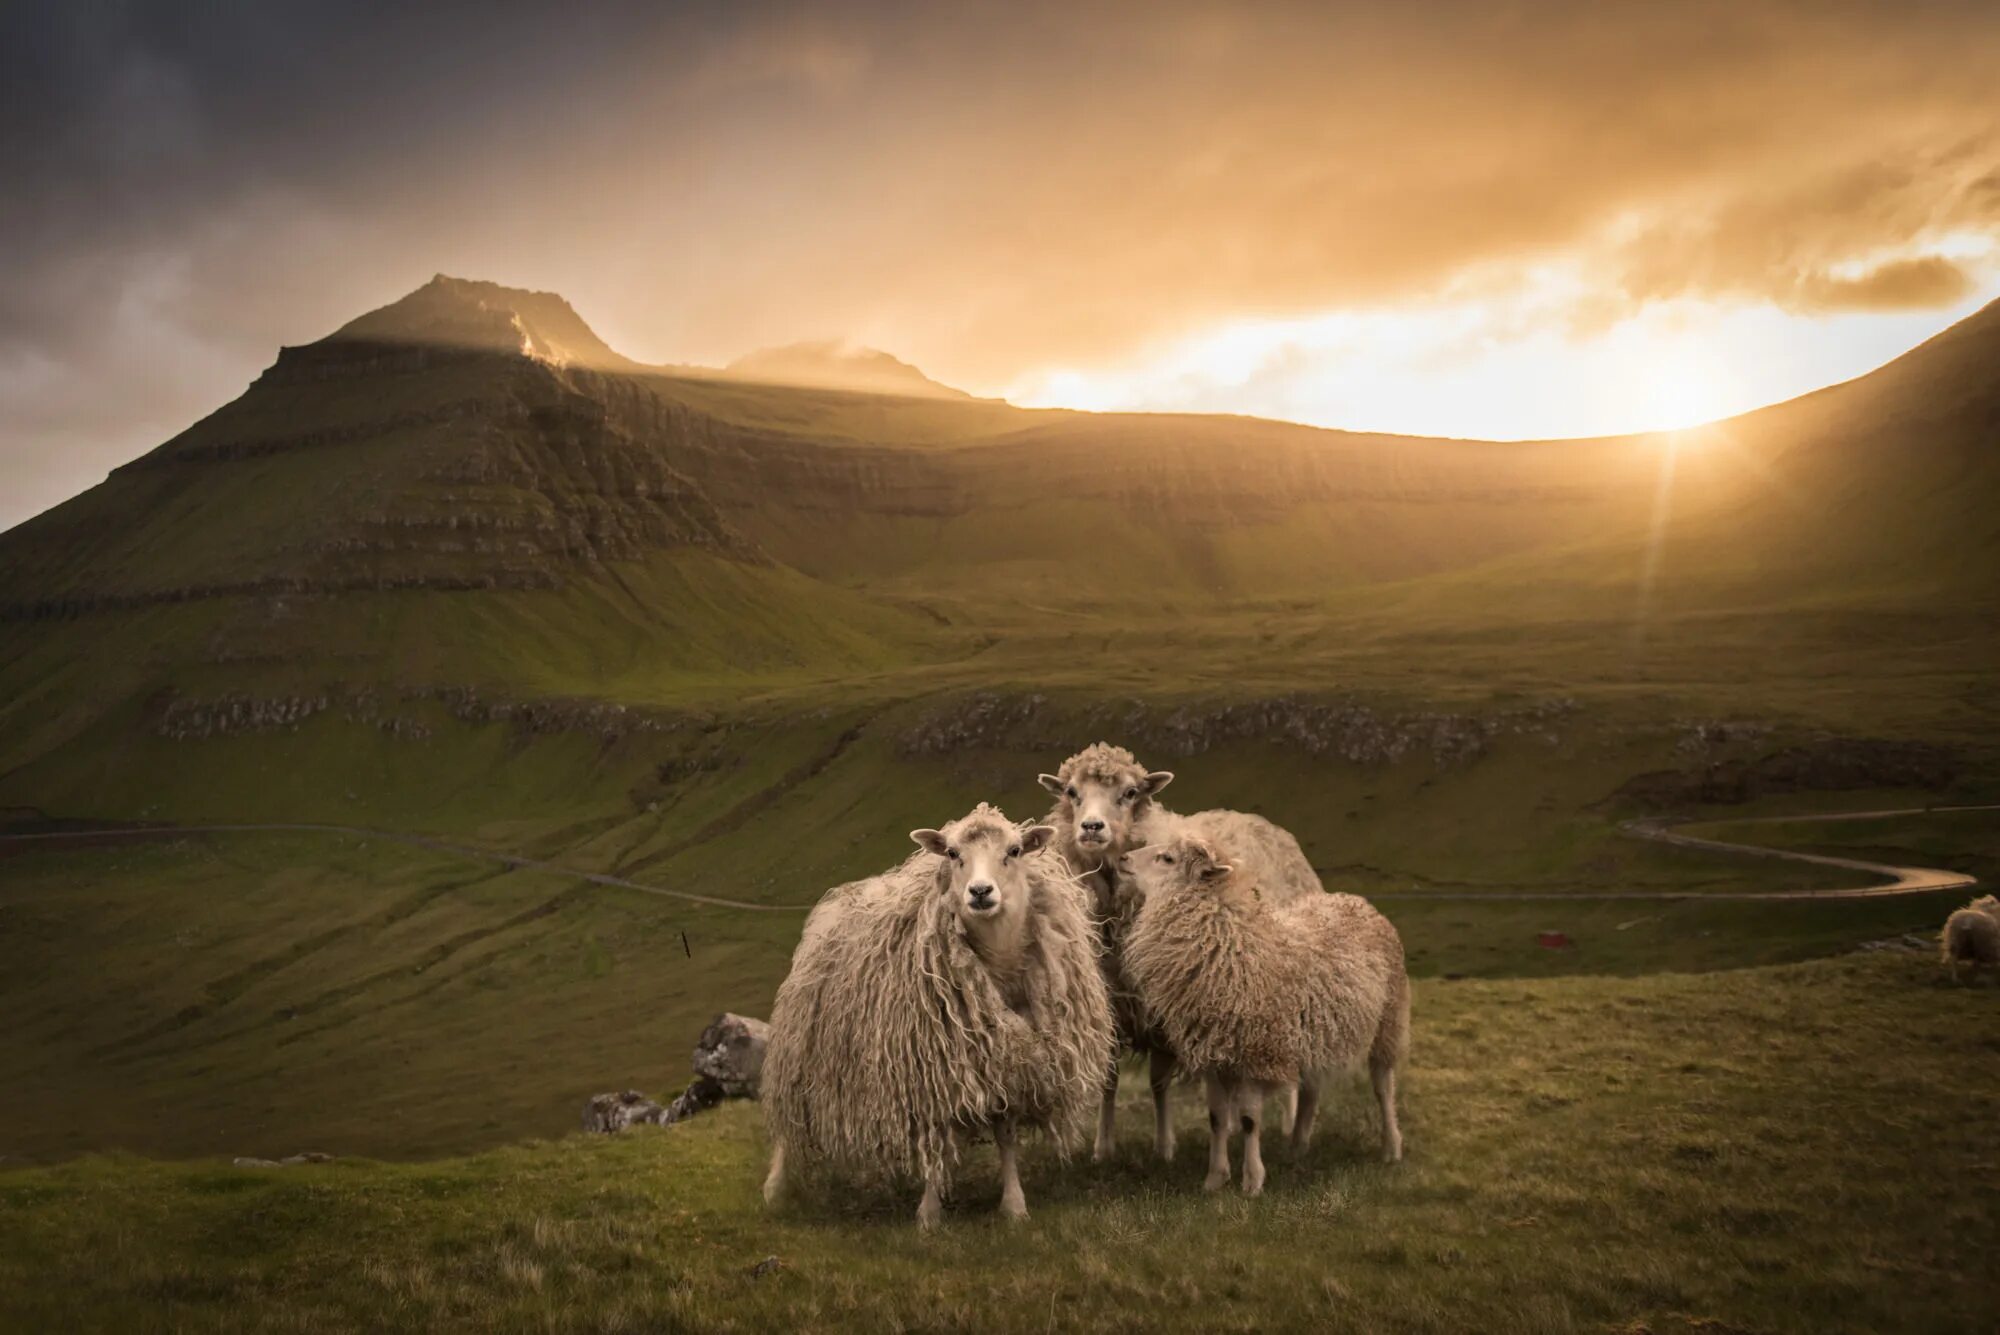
(1520, 219)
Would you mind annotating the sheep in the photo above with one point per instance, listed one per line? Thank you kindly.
(1253, 995)
(958, 993)
(1972, 934)
(1107, 803)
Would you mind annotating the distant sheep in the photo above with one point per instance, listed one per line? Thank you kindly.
(1254, 995)
(1972, 934)
(1106, 804)
(955, 994)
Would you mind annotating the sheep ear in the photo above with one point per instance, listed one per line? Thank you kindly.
(1157, 780)
(1216, 871)
(1036, 837)
(1050, 782)
(929, 840)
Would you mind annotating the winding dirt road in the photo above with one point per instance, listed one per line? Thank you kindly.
(1895, 880)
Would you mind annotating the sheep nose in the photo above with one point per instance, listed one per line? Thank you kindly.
(981, 892)
(1094, 826)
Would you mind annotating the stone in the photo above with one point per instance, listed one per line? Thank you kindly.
(728, 1064)
(731, 1053)
(608, 1114)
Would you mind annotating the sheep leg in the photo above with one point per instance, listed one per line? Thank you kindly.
(774, 1181)
(1163, 1118)
(930, 1210)
(1250, 1106)
(1307, 1109)
(1107, 1118)
(1289, 1119)
(1013, 1202)
(1221, 1115)
(1384, 1076)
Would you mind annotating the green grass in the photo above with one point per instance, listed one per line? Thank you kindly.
(1795, 1149)
(268, 993)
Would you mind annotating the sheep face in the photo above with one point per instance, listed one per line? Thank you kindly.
(1178, 866)
(1100, 792)
(984, 870)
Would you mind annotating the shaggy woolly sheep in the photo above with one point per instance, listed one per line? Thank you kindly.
(1972, 934)
(955, 994)
(1253, 995)
(1106, 804)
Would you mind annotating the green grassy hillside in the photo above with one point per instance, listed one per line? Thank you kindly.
(1805, 1148)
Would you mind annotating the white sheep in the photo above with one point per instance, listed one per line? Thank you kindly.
(1253, 995)
(1972, 935)
(956, 994)
(1108, 803)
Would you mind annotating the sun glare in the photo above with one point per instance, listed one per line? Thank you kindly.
(1542, 358)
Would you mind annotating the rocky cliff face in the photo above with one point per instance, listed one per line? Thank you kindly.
(1349, 729)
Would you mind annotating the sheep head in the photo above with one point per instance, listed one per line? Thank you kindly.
(1100, 793)
(1183, 865)
(982, 863)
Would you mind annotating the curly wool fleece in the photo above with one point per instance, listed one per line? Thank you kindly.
(1251, 990)
(890, 1034)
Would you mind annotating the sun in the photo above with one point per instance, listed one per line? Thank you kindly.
(1669, 379)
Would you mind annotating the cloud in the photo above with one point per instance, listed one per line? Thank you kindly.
(1899, 285)
(986, 191)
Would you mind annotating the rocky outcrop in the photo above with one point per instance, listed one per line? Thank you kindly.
(193, 718)
(728, 1064)
(1822, 764)
(1348, 728)
(185, 719)
(731, 1053)
(608, 1114)
(608, 719)
(289, 1161)
(189, 718)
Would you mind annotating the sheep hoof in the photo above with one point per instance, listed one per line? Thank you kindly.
(1013, 1211)
(929, 1217)
(1101, 1151)
(1252, 1189)
(1166, 1150)
(1393, 1151)
(1300, 1144)
(1216, 1181)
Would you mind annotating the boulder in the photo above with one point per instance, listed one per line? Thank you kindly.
(731, 1053)
(728, 1064)
(611, 1113)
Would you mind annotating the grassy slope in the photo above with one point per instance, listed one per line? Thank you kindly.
(1797, 1149)
(273, 992)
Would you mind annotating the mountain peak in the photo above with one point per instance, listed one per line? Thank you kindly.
(476, 315)
(836, 364)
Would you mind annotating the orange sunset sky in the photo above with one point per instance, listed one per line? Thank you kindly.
(1493, 220)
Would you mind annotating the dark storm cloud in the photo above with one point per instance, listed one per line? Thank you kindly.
(983, 189)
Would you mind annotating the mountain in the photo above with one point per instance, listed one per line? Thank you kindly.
(464, 507)
(836, 365)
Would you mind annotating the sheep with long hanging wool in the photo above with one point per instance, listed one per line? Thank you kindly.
(1254, 995)
(958, 993)
(1107, 803)
(1972, 934)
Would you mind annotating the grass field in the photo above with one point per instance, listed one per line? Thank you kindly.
(269, 993)
(1801, 1148)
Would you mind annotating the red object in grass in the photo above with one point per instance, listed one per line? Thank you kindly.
(1554, 940)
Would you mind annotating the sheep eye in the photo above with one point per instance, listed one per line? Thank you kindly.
(1071, 792)
(1167, 858)
(1014, 852)
(1131, 793)
(951, 853)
